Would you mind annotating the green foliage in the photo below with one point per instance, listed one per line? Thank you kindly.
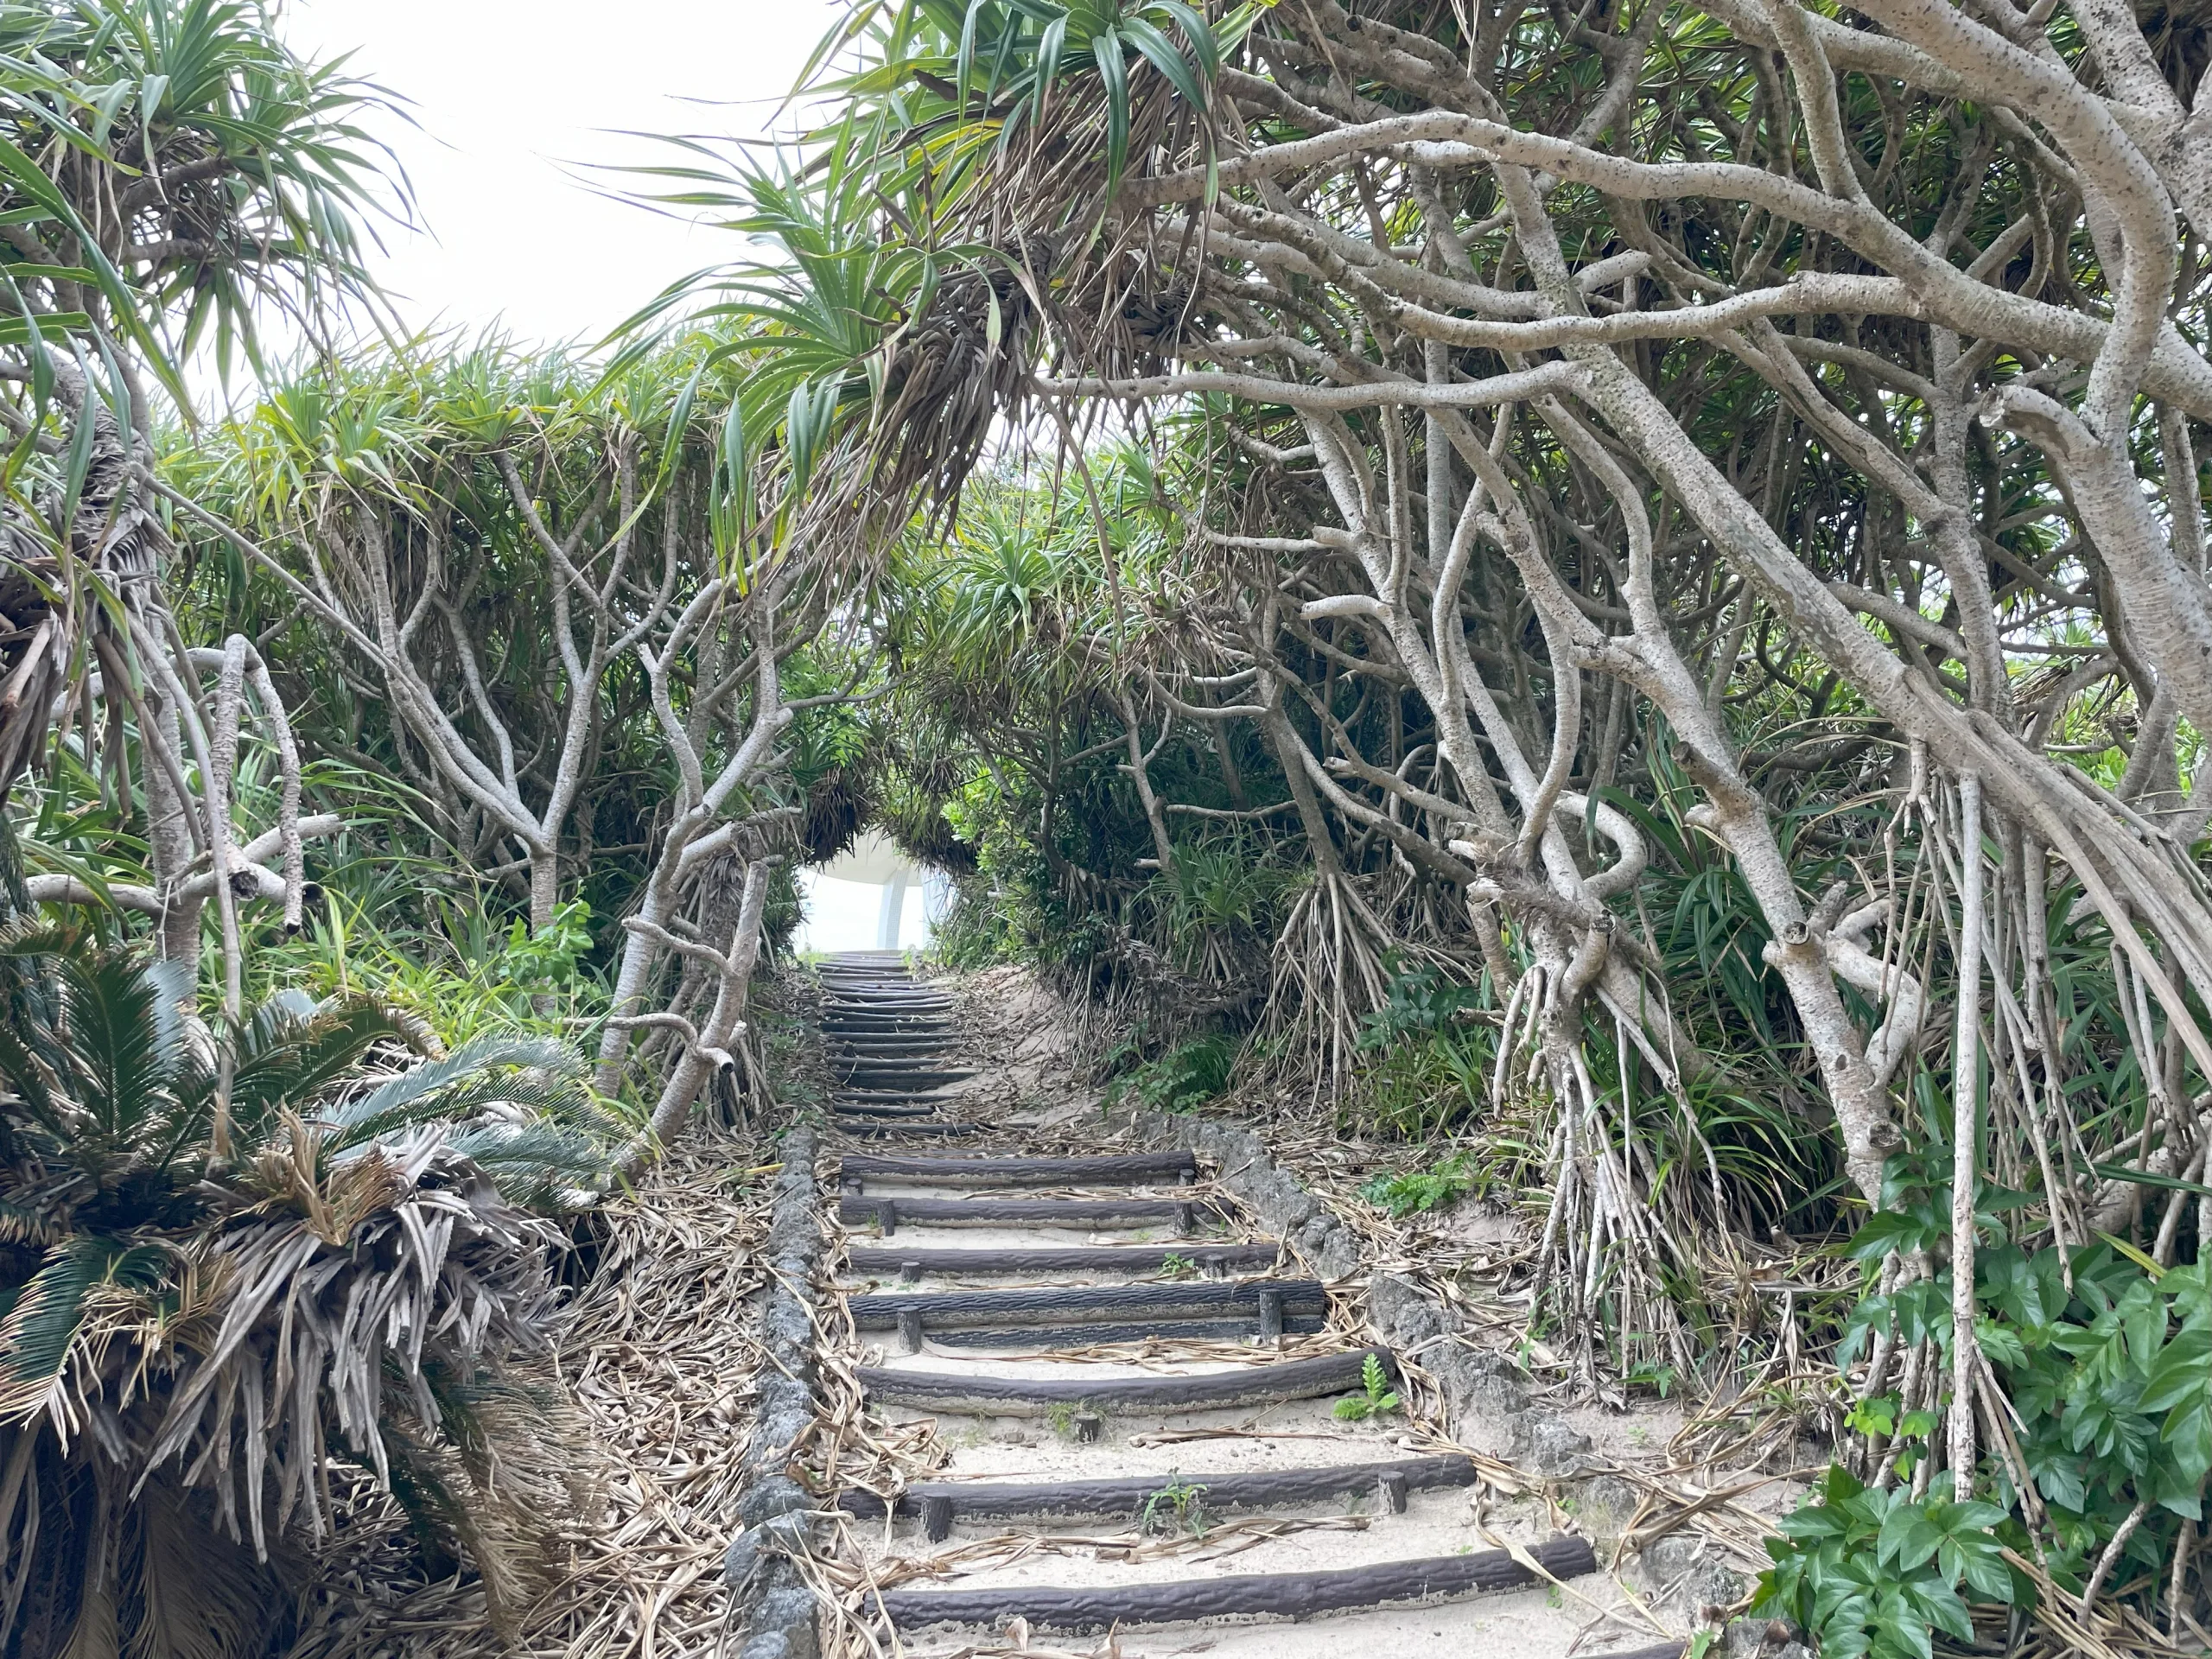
(1177, 1507)
(1439, 1186)
(546, 960)
(1186, 1077)
(98, 96)
(2113, 1381)
(1012, 57)
(2108, 1361)
(177, 1202)
(1431, 1050)
(1659, 1379)
(1874, 1571)
(1376, 1398)
(452, 962)
(1420, 1003)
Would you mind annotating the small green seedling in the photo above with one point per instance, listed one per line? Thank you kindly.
(1377, 1398)
(1179, 1506)
(1660, 1379)
(1172, 1266)
(1060, 1419)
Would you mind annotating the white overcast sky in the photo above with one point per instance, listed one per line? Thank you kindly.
(513, 100)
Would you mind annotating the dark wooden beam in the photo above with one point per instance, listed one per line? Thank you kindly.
(1286, 1595)
(1024, 1212)
(1024, 1396)
(1088, 1258)
(1176, 1300)
(875, 1126)
(1261, 1488)
(1019, 1172)
(1022, 1339)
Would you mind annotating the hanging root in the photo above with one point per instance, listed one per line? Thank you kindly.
(1328, 977)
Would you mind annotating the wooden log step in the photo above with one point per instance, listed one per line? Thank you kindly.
(1263, 1489)
(1026, 1396)
(896, 1085)
(887, 1047)
(883, 1125)
(1019, 1172)
(1186, 1299)
(848, 1005)
(865, 1071)
(1025, 1212)
(1288, 1595)
(882, 1106)
(1026, 1339)
(1091, 1258)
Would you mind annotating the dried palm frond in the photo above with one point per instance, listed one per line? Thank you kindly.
(658, 1357)
(207, 1335)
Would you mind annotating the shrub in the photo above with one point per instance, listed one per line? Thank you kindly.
(1184, 1078)
(226, 1257)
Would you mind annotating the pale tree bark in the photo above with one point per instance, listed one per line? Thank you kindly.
(700, 832)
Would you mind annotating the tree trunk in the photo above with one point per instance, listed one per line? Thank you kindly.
(699, 1060)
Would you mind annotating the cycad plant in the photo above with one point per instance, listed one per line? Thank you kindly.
(229, 1258)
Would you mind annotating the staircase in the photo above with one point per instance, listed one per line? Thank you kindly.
(1139, 1397)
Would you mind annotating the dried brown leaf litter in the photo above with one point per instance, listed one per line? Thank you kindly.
(660, 1352)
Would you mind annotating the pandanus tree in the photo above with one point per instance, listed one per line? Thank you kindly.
(546, 575)
(169, 168)
(499, 585)
(1667, 445)
(845, 382)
